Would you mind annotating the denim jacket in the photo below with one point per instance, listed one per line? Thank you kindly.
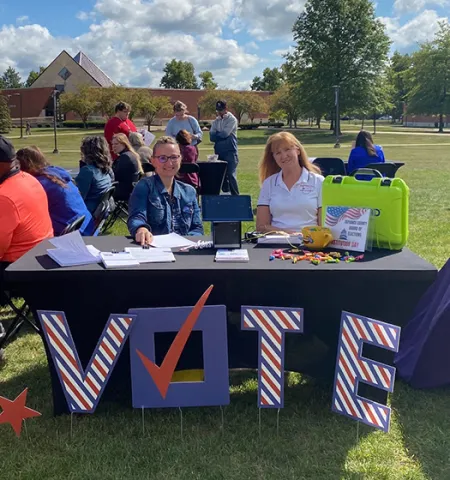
(150, 207)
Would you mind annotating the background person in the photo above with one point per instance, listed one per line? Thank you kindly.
(65, 203)
(120, 123)
(127, 168)
(223, 134)
(182, 121)
(291, 192)
(96, 176)
(160, 204)
(364, 152)
(189, 154)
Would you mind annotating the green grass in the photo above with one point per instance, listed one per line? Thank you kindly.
(313, 443)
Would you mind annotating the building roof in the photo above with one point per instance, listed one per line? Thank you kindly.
(98, 75)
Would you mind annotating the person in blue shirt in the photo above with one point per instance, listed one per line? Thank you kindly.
(160, 204)
(96, 176)
(183, 121)
(65, 203)
(364, 152)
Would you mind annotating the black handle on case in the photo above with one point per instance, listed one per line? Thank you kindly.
(367, 171)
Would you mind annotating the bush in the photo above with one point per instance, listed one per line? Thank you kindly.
(276, 124)
(79, 124)
(204, 123)
(248, 126)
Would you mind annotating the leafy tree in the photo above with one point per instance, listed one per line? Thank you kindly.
(108, 98)
(271, 80)
(256, 105)
(339, 42)
(207, 81)
(33, 76)
(149, 106)
(397, 78)
(429, 77)
(287, 100)
(207, 102)
(11, 78)
(179, 74)
(5, 116)
(84, 102)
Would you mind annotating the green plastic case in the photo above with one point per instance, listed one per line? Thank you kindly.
(387, 197)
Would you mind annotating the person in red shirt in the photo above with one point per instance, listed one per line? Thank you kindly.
(24, 217)
(120, 123)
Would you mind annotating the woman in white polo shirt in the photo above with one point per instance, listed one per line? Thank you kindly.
(291, 192)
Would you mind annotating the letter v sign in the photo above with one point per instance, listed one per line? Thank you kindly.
(83, 389)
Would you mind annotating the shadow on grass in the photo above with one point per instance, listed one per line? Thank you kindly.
(424, 417)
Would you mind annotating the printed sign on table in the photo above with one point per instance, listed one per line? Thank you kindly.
(349, 226)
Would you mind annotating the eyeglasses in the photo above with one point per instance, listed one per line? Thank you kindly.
(165, 158)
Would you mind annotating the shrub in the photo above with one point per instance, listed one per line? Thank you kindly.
(248, 126)
(80, 124)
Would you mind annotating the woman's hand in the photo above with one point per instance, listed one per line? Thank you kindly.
(143, 236)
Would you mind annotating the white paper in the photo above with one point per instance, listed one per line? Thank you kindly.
(95, 252)
(237, 255)
(349, 227)
(147, 136)
(151, 255)
(70, 258)
(116, 260)
(70, 251)
(171, 240)
(72, 241)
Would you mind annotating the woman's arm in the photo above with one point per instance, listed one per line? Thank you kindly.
(198, 134)
(319, 216)
(137, 209)
(263, 221)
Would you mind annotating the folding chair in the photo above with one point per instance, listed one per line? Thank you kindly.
(103, 211)
(74, 226)
(330, 166)
(189, 168)
(211, 176)
(387, 169)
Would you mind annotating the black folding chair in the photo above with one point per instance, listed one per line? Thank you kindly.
(189, 168)
(103, 210)
(74, 226)
(387, 169)
(330, 166)
(211, 176)
(148, 167)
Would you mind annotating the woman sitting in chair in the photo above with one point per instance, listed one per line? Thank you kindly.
(291, 192)
(127, 167)
(65, 203)
(189, 154)
(364, 152)
(160, 204)
(96, 177)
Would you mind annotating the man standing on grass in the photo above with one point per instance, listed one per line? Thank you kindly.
(223, 134)
(120, 123)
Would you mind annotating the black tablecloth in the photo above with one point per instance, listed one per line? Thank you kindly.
(385, 286)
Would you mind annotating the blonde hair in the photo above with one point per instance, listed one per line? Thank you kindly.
(123, 139)
(268, 166)
(178, 106)
(164, 140)
(136, 140)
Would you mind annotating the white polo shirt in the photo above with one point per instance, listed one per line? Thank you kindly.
(295, 208)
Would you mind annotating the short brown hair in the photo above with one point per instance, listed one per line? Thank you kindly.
(184, 137)
(178, 106)
(268, 166)
(121, 106)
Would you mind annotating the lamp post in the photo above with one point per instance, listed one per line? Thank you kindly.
(55, 95)
(21, 111)
(337, 122)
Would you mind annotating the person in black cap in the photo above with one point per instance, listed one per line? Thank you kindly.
(223, 134)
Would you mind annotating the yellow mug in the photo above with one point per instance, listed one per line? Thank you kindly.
(316, 237)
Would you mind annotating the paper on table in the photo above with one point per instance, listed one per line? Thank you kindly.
(171, 240)
(151, 255)
(70, 251)
(147, 136)
(115, 260)
(72, 241)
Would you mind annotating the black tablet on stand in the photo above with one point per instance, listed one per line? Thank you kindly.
(226, 212)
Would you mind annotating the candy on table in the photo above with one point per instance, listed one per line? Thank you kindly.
(271, 258)
(315, 261)
(335, 254)
(359, 258)
(295, 259)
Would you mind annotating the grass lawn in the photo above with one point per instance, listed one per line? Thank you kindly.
(313, 443)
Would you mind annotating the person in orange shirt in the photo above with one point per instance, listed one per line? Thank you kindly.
(24, 217)
(120, 123)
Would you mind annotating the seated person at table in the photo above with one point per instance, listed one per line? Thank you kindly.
(127, 167)
(160, 204)
(189, 154)
(364, 152)
(24, 217)
(65, 203)
(96, 177)
(291, 192)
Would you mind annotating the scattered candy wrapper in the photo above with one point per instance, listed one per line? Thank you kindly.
(314, 257)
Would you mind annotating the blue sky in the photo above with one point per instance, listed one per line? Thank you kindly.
(132, 40)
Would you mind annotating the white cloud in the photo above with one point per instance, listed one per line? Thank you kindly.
(252, 46)
(415, 6)
(84, 16)
(23, 19)
(421, 28)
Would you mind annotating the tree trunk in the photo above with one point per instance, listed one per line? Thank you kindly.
(362, 123)
(332, 124)
(441, 123)
(318, 120)
(295, 123)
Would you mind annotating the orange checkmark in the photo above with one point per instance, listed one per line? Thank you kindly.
(162, 375)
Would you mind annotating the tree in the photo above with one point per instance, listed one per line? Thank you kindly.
(429, 77)
(271, 80)
(11, 78)
(33, 76)
(207, 81)
(207, 102)
(108, 98)
(286, 100)
(149, 106)
(84, 102)
(339, 42)
(256, 105)
(179, 74)
(5, 116)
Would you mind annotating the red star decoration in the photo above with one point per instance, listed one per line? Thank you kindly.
(14, 412)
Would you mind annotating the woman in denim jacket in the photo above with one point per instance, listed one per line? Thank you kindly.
(160, 204)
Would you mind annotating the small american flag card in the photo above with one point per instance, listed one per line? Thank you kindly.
(349, 226)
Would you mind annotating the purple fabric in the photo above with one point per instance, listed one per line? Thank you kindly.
(424, 356)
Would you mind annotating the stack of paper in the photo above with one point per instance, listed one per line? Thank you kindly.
(172, 240)
(281, 239)
(117, 260)
(238, 255)
(151, 255)
(71, 251)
